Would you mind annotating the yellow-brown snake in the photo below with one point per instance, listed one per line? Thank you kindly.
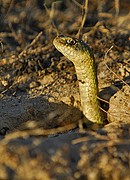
(82, 57)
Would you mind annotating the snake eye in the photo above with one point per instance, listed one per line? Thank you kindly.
(71, 42)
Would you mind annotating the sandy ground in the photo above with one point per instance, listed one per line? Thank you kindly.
(40, 112)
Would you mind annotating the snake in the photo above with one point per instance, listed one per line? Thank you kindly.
(83, 59)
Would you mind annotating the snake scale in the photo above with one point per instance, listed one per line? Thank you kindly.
(83, 59)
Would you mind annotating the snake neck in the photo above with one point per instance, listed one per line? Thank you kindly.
(88, 86)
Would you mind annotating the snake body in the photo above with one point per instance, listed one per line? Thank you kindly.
(83, 59)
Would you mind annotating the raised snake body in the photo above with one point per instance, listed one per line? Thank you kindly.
(81, 55)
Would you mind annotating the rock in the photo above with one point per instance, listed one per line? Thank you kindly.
(119, 106)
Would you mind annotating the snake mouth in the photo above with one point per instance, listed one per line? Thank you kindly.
(66, 45)
(60, 40)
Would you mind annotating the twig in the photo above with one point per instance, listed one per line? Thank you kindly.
(103, 110)
(117, 8)
(78, 4)
(83, 19)
(51, 14)
(14, 34)
(10, 7)
(111, 69)
(38, 132)
(103, 100)
(39, 50)
(2, 47)
(31, 44)
(84, 139)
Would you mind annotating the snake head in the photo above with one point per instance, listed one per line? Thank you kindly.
(72, 48)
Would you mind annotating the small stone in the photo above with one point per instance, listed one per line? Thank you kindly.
(33, 84)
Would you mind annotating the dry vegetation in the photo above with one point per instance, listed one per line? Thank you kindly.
(39, 95)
